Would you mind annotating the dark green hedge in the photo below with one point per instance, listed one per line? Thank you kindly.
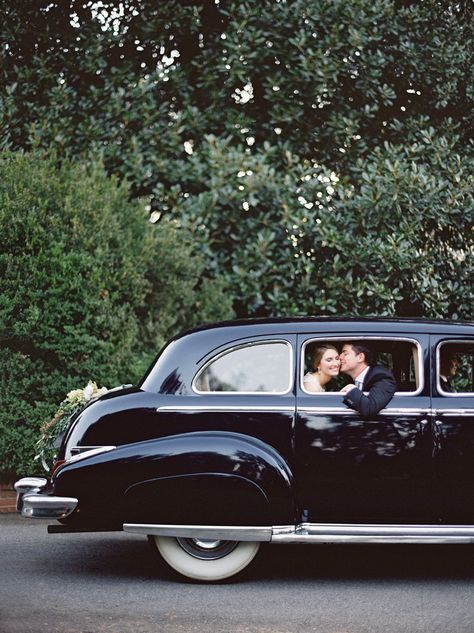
(90, 291)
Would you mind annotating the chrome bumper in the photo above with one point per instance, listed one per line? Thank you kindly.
(35, 503)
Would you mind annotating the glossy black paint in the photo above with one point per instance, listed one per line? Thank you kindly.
(372, 470)
(271, 459)
(453, 449)
(208, 476)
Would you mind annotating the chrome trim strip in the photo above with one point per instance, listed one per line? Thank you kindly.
(222, 532)
(408, 411)
(405, 411)
(247, 393)
(327, 410)
(37, 506)
(364, 338)
(217, 407)
(458, 412)
(314, 533)
(76, 450)
(321, 410)
(91, 452)
(360, 533)
(345, 411)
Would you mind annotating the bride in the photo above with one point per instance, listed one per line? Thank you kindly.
(325, 363)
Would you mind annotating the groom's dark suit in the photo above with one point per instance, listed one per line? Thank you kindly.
(380, 384)
(445, 384)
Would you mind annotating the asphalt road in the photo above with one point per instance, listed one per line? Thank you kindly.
(112, 583)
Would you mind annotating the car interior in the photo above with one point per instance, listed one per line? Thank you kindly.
(462, 377)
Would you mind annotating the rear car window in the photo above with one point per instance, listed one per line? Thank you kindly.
(253, 368)
(455, 367)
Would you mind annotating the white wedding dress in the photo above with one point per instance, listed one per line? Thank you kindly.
(311, 382)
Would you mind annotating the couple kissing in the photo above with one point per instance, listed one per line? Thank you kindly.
(357, 361)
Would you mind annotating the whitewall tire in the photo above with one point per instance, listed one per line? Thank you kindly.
(206, 560)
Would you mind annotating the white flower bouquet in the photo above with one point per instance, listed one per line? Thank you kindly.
(52, 429)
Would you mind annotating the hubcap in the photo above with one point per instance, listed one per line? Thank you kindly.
(207, 549)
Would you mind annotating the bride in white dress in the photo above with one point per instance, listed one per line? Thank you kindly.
(325, 363)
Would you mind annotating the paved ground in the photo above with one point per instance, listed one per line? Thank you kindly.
(110, 583)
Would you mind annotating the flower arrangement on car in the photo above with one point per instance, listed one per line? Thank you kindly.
(52, 430)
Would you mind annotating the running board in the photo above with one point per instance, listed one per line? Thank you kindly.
(314, 533)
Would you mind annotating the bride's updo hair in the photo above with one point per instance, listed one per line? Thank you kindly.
(318, 352)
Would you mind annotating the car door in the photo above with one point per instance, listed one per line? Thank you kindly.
(245, 387)
(453, 429)
(375, 470)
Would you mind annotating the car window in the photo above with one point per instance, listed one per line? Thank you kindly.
(455, 367)
(401, 356)
(254, 368)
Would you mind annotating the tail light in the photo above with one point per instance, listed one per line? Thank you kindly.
(56, 464)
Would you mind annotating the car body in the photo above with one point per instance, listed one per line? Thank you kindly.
(220, 447)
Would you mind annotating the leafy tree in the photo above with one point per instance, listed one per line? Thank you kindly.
(90, 290)
(180, 97)
(392, 236)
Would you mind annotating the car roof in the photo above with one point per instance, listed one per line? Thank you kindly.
(302, 324)
(179, 358)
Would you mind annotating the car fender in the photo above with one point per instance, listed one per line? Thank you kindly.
(212, 477)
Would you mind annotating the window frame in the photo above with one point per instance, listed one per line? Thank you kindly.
(229, 350)
(331, 339)
(450, 394)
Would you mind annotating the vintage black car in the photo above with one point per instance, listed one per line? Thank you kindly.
(221, 446)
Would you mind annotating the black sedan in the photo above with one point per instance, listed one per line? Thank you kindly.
(311, 430)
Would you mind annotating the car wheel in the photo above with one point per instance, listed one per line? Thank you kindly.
(205, 559)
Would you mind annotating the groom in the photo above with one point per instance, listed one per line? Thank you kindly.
(358, 363)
